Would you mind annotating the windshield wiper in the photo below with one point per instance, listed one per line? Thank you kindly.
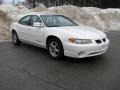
(53, 26)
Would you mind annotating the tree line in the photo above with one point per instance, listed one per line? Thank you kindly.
(80, 3)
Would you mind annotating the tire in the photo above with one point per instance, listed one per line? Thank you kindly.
(55, 48)
(15, 39)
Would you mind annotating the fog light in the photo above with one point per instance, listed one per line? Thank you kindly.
(81, 53)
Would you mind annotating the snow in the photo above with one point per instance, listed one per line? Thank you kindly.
(9, 14)
(40, 9)
(101, 19)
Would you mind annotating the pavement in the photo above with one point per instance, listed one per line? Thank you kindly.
(27, 67)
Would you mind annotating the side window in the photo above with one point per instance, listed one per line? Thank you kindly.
(33, 19)
(25, 20)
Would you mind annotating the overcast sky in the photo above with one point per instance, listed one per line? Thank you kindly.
(11, 1)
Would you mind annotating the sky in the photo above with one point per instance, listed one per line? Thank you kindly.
(11, 1)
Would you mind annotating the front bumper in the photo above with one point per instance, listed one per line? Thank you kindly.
(82, 51)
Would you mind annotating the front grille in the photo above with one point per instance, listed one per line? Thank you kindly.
(98, 41)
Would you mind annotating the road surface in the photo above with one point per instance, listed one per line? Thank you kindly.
(28, 67)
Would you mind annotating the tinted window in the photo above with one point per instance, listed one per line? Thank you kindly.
(25, 20)
(34, 19)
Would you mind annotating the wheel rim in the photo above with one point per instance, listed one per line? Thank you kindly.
(15, 38)
(54, 49)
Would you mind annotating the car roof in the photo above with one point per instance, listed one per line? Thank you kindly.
(40, 13)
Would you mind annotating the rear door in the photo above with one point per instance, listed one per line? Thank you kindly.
(23, 28)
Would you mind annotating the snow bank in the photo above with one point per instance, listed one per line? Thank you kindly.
(102, 19)
(9, 14)
(40, 9)
(4, 26)
(85, 15)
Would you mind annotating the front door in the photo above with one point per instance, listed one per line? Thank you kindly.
(36, 33)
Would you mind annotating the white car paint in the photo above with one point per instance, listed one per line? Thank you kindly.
(39, 36)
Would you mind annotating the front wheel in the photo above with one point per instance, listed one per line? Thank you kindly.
(55, 48)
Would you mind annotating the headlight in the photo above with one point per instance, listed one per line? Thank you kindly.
(80, 41)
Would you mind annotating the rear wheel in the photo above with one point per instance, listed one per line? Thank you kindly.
(55, 48)
(15, 39)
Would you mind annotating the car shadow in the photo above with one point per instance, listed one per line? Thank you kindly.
(94, 64)
(89, 60)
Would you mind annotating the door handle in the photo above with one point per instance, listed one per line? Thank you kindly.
(29, 29)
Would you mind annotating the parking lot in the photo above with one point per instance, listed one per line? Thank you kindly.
(28, 67)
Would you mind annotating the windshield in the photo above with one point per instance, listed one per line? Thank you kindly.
(57, 21)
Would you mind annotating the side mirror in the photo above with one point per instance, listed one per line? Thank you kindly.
(38, 24)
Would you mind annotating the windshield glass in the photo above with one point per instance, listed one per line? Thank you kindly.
(57, 21)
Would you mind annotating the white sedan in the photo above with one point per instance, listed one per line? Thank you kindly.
(60, 35)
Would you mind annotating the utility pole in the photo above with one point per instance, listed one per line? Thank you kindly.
(33, 3)
(13, 2)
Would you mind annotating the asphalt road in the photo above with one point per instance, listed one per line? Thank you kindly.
(30, 68)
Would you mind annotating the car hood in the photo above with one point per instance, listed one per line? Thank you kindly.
(80, 32)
